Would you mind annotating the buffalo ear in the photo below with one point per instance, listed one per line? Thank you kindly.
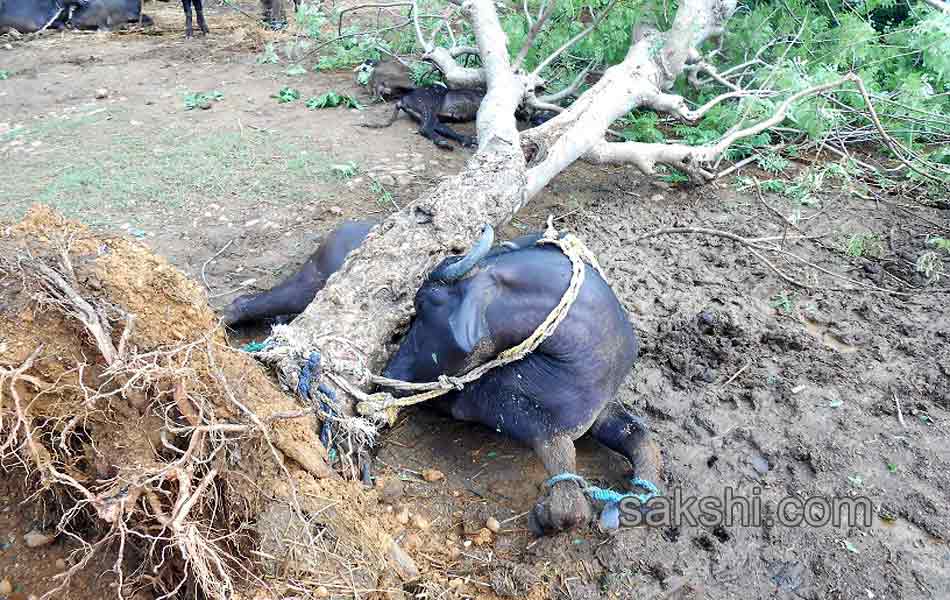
(468, 321)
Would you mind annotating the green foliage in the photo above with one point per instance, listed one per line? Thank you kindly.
(771, 162)
(4, 74)
(675, 177)
(269, 55)
(424, 74)
(939, 243)
(783, 303)
(295, 71)
(863, 244)
(332, 100)
(287, 94)
(640, 126)
(345, 170)
(202, 100)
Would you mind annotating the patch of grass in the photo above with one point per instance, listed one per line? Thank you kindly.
(863, 245)
(202, 100)
(295, 71)
(4, 74)
(783, 303)
(268, 56)
(345, 170)
(939, 243)
(122, 171)
(383, 196)
(771, 162)
(333, 99)
(675, 177)
(287, 94)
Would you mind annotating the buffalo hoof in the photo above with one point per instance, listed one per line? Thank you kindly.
(234, 313)
(563, 507)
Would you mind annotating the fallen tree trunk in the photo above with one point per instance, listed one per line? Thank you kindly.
(353, 319)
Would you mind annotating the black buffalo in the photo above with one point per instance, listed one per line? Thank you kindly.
(294, 294)
(107, 14)
(431, 105)
(29, 16)
(471, 308)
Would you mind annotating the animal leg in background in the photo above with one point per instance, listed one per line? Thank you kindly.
(446, 131)
(431, 127)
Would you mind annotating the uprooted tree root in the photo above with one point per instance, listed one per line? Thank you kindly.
(147, 436)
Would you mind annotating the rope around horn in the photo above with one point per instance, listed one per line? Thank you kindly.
(384, 404)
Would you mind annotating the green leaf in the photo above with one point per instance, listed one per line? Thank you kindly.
(892, 467)
(835, 403)
(332, 100)
(287, 94)
(295, 70)
(851, 547)
(4, 74)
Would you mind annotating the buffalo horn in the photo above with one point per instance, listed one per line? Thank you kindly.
(456, 270)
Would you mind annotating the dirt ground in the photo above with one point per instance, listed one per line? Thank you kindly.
(748, 382)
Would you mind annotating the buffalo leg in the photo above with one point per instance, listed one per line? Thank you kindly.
(564, 505)
(288, 298)
(429, 129)
(628, 435)
(186, 5)
(200, 11)
(446, 131)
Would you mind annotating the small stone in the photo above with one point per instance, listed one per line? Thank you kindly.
(467, 543)
(656, 198)
(321, 592)
(252, 222)
(102, 93)
(6, 588)
(493, 525)
(403, 515)
(456, 583)
(418, 168)
(412, 542)
(392, 490)
(483, 537)
(431, 475)
(404, 180)
(60, 564)
(336, 211)
(420, 522)
(386, 180)
(35, 539)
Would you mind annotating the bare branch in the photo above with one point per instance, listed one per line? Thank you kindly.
(570, 43)
(426, 47)
(536, 28)
(569, 90)
(939, 5)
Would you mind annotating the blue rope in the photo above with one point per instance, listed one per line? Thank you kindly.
(308, 372)
(610, 516)
(252, 347)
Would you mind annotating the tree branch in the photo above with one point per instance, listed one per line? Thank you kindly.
(570, 43)
(536, 28)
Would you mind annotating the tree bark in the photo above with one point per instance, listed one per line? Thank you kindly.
(352, 320)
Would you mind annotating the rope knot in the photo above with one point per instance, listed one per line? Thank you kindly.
(610, 516)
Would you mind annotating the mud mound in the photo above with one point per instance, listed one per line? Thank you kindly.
(139, 425)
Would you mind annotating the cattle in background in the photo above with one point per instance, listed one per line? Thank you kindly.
(30, 16)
